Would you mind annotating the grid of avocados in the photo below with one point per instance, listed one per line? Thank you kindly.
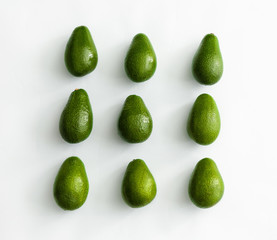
(135, 124)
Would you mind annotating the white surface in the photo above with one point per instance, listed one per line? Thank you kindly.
(35, 86)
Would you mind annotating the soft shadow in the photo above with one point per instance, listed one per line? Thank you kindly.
(121, 69)
(43, 189)
(117, 70)
(116, 196)
(53, 61)
(180, 68)
(186, 198)
(185, 126)
(111, 132)
(180, 119)
(110, 197)
(46, 127)
(188, 71)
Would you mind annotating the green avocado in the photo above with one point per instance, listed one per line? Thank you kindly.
(207, 66)
(76, 119)
(71, 184)
(206, 186)
(135, 122)
(140, 61)
(138, 186)
(80, 54)
(204, 120)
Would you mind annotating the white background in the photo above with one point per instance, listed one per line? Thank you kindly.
(35, 87)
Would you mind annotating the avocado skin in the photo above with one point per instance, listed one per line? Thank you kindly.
(140, 61)
(206, 185)
(207, 66)
(80, 54)
(138, 186)
(204, 120)
(71, 185)
(76, 119)
(135, 122)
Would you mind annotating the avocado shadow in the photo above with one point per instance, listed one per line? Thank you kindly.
(55, 130)
(53, 61)
(55, 134)
(180, 133)
(185, 197)
(45, 127)
(44, 198)
(185, 126)
(119, 66)
(116, 194)
(188, 74)
(112, 133)
(122, 74)
(114, 58)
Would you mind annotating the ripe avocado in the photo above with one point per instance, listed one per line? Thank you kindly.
(135, 122)
(140, 61)
(80, 54)
(71, 184)
(204, 120)
(207, 66)
(76, 119)
(138, 186)
(206, 186)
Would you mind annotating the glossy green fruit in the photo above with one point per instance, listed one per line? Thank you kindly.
(80, 54)
(204, 120)
(135, 122)
(138, 186)
(206, 186)
(207, 66)
(77, 119)
(140, 61)
(71, 184)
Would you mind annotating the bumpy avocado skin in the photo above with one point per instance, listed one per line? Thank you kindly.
(135, 122)
(71, 185)
(80, 54)
(138, 186)
(204, 120)
(206, 185)
(207, 66)
(141, 60)
(76, 120)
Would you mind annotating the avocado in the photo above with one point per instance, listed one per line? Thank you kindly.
(80, 54)
(138, 186)
(204, 120)
(135, 122)
(207, 65)
(140, 61)
(71, 184)
(206, 186)
(76, 119)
